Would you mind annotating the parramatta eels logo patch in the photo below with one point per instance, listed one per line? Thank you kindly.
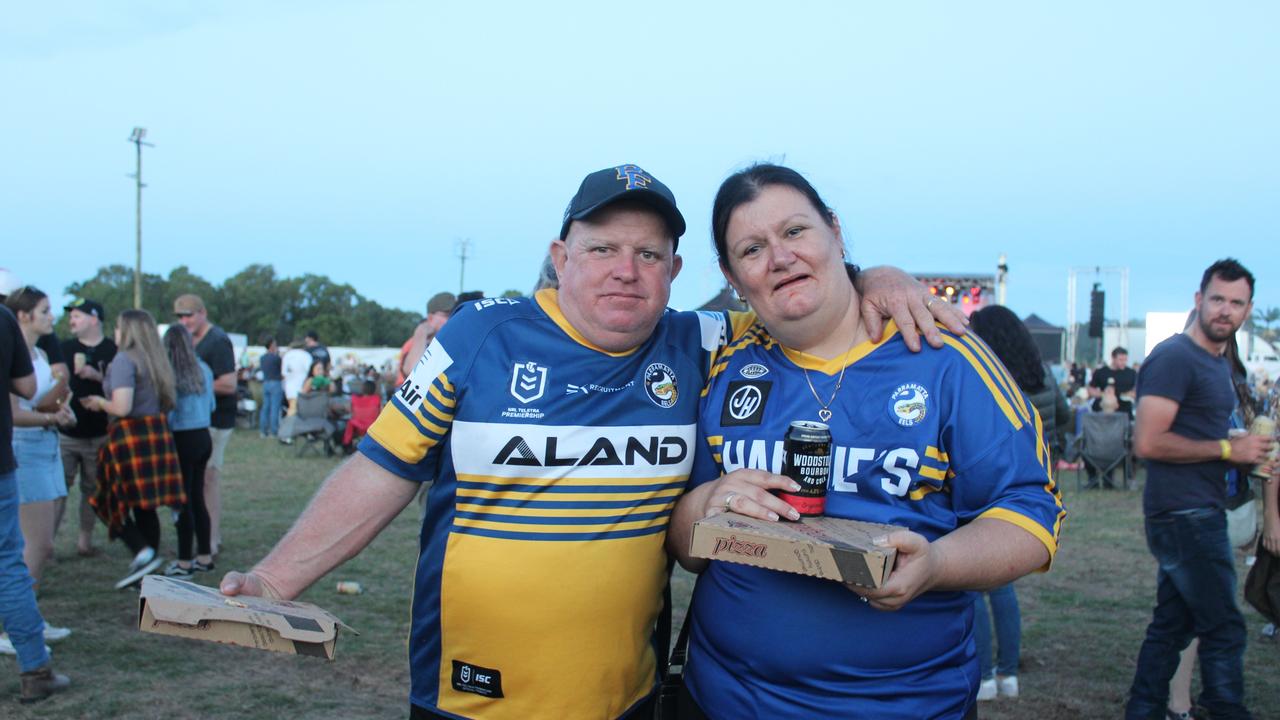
(909, 404)
(660, 385)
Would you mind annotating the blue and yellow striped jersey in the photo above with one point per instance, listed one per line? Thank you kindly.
(928, 440)
(555, 468)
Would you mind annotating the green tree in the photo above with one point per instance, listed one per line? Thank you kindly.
(113, 287)
(256, 301)
(1266, 317)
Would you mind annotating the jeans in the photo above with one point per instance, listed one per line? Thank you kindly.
(1195, 597)
(18, 611)
(1004, 604)
(272, 398)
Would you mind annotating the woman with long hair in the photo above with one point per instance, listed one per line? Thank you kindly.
(35, 443)
(138, 468)
(189, 421)
(1010, 340)
(939, 442)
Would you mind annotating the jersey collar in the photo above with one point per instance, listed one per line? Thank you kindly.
(549, 300)
(832, 366)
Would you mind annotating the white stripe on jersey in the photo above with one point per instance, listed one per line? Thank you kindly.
(715, 332)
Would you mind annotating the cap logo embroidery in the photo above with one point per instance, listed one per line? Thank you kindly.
(636, 177)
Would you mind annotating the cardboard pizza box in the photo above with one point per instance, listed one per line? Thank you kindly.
(168, 606)
(825, 547)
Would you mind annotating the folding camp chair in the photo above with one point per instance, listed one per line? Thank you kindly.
(1104, 443)
(311, 428)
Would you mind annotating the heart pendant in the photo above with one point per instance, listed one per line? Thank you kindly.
(824, 414)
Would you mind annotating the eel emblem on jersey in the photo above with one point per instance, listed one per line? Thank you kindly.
(660, 385)
(909, 404)
(528, 381)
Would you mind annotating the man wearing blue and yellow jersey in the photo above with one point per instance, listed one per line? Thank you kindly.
(558, 432)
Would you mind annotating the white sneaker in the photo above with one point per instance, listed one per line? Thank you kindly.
(7, 648)
(136, 574)
(54, 634)
(144, 556)
(987, 690)
(1008, 686)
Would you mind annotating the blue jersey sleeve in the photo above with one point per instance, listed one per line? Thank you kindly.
(994, 439)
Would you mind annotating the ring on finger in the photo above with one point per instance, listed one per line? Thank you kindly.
(728, 500)
(929, 303)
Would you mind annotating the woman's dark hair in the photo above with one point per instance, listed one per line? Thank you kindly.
(187, 374)
(1010, 340)
(745, 186)
(24, 299)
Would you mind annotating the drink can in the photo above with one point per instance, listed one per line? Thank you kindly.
(79, 359)
(806, 458)
(348, 587)
(1265, 426)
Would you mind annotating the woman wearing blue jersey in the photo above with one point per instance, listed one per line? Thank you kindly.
(961, 465)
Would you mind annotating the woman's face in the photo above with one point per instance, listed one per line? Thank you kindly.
(783, 257)
(41, 318)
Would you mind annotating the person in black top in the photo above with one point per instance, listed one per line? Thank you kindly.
(1185, 399)
(272, 388)
(214, 348)
(1117, 375)
(318, 352)
(89, 352)
(18, 610)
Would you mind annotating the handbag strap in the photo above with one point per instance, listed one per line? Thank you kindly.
(663, 645)
(681, 651)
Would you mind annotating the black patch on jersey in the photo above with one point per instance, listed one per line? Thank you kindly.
(475, 679)
(744, 402)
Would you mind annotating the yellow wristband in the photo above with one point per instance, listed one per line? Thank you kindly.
(1226, 449)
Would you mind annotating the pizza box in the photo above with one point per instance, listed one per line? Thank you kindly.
(168, 606)
(825, 547)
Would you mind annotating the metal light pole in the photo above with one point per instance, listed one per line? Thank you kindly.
(464, 249)
(137, 139)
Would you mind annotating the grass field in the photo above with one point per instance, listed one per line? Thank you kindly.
(1082, 622)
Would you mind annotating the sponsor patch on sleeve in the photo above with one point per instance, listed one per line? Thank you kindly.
(435, 360)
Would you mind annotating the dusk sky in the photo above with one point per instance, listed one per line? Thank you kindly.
(364, 140)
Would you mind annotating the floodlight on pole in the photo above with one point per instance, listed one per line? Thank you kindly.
(137, 138)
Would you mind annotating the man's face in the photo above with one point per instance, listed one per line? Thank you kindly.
(82, 323)
(194, 322)
(1223, 307)
(1119, 361)
(615, 276)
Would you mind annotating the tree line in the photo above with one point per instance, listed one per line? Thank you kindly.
(255, 301)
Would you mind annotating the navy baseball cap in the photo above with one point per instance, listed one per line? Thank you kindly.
(605, 187)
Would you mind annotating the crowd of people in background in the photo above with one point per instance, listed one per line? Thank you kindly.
(140, 420)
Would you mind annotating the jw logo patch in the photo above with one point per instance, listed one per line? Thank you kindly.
(528, 381)
(636, 178)
(744, 402)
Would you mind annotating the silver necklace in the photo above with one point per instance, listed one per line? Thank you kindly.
(824, 413)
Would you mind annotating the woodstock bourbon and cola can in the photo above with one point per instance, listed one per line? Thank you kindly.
(806, 458)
